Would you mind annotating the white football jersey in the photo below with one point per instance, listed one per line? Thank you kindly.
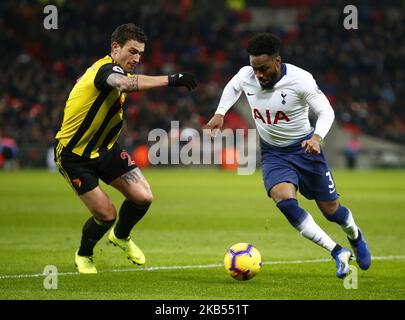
(281, 113)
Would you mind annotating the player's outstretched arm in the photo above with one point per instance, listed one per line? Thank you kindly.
(230, 95)
(142, 82)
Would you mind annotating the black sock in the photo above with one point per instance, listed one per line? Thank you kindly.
(92, 232)
(335, 250)
(130, 214)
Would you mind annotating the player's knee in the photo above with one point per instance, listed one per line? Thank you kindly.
(143, 198)
(328, 207)
(147, 198)
(282, 191)
(105, 211)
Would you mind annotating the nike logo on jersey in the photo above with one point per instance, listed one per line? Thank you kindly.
(251, 94)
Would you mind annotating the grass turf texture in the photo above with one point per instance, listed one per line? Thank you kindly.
(195, 217)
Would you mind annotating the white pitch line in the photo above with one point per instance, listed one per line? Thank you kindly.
(205, 266)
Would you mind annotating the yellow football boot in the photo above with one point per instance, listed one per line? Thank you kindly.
(128, 246)
(85, 264)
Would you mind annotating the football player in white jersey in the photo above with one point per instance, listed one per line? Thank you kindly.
(280, 96)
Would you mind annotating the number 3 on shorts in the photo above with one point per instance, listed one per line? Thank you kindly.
(331, 186)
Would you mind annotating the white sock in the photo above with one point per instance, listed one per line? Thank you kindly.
(310, 230)
(350, 227)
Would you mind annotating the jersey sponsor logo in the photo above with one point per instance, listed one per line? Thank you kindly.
(280, 115)
(118, 69)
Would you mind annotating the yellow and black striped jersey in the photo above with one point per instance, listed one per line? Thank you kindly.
(93, 114)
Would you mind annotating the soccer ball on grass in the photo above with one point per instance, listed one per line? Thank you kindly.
(242, 261)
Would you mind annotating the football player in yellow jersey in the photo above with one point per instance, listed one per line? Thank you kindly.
(87, 150)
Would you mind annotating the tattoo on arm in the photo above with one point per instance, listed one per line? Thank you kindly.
(123, 83)
(132, 83)
(131, 176)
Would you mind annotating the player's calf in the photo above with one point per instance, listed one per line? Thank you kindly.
(305, 224)
(342, 216)
(130, 214)
(93, 230)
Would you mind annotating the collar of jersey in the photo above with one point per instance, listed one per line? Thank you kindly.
(113, 61)
(283, 72)
(111, 58)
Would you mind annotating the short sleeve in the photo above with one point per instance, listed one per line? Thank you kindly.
(100, 80)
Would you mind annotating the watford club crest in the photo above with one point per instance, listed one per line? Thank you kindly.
(77, 183)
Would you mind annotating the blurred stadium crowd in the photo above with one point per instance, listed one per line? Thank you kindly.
(361, 71)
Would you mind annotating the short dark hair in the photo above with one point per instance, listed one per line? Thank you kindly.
(126, 32)
(264, 43)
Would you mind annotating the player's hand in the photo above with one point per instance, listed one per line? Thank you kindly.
(313, 145)
(182, 79)
(215, 125)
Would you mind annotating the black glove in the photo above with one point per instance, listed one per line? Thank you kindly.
(182, 79)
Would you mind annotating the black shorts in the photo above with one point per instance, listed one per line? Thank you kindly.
(83, 173)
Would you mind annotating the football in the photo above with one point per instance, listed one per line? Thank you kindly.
(243, 261)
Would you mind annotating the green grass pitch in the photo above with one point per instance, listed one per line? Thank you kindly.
(195, 217)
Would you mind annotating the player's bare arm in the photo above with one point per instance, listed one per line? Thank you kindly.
(143, 82)
(136, 82)
(313, 145)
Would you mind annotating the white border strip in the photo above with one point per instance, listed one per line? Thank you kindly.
(205, 266)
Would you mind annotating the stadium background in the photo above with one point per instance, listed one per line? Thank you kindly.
(361, 71)
(198, 214)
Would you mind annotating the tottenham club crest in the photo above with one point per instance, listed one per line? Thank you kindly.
(283, 95)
